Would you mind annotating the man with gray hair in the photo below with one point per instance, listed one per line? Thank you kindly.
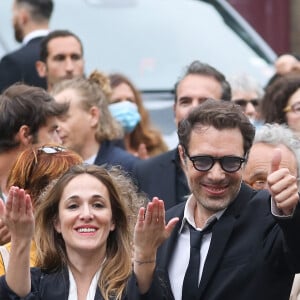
(247, 93)
(31, 24)
(267, 138)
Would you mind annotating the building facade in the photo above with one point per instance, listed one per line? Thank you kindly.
(277, 21)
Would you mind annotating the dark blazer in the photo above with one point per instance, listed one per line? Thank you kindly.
(20, 66)
(111, 155)
(252, 254)
(56, 285)
(163, 177)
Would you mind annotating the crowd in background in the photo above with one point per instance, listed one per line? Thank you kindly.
(91, 192)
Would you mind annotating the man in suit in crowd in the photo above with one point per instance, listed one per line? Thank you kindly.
(255, 173)
(61, 57)
(162, 176)
(250, 240)
(31, 24)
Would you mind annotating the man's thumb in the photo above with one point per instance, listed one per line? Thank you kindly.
(276, 159)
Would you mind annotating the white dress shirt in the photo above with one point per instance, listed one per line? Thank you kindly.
(92, 289)
(181, 255)
(34, 34)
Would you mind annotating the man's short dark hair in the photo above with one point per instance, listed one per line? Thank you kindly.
(220, 115)
(39, 9)
(20, 105)
(53, 35)
(199, 68)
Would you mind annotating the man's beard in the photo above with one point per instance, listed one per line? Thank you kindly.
(18, 33)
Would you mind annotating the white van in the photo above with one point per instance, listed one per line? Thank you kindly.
(151, 41)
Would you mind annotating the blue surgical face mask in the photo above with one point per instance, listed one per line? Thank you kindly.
(126, 113)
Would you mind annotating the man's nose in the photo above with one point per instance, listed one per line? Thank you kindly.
(250, 110)
(216, 172)
(56, 138)
(69, 64)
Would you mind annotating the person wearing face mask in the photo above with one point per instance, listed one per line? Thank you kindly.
(140, 138)
(126, 113)
(88, 127)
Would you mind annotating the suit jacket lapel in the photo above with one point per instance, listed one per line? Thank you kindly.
(168, 247)
(168, 173)
(221, 234)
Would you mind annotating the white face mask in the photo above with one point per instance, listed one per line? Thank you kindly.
(126, 113)
(255, 123)
(252, 120)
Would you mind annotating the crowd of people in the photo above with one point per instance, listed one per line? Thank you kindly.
(94, 204)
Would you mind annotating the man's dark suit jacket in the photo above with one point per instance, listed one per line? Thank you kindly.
(252, 256)
(111, 155)
(162, 176)
(19, 66)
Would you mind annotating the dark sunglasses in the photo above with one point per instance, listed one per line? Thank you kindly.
(243, 102)
(47, 150)
(204, 163)
(36, 152)
(51, 149)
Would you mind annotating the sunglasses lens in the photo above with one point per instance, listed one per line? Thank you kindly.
(254, 102)
(231, 164)
(241, 102)
(203, 163)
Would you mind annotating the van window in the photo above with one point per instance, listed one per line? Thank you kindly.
(151, 41)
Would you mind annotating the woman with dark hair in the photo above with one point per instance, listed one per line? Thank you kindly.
(281, 102)
(141, 139)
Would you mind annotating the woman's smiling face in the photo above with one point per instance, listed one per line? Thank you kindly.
(85, 215)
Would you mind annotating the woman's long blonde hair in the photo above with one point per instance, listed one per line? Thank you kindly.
(94, 91)
(51, 250)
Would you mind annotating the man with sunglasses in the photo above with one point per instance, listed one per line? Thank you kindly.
(250, 240)
(162, 175)
(247, 93)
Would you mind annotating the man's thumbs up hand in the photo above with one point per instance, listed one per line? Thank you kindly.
(282, 185)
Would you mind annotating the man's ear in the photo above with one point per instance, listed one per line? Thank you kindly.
(41, 68)
(174, 111)
(182, 156)
(24, 135)
(23, 17)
